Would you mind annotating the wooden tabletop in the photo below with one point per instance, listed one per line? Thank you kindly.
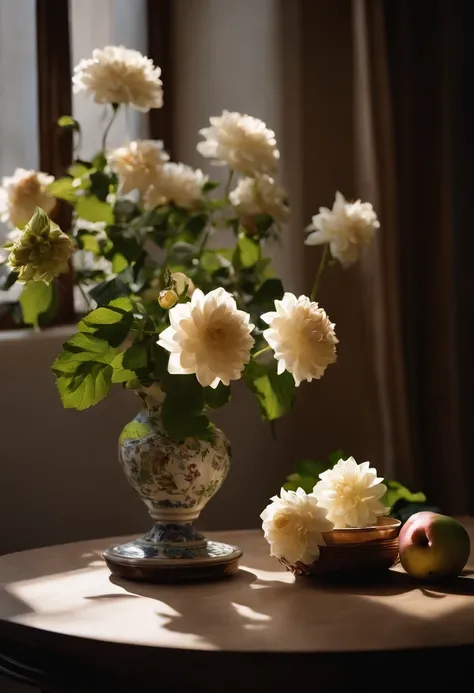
(62, 599)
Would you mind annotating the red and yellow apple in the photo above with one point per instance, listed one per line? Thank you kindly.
(433, 546)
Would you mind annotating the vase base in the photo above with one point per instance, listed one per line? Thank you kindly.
(138, 561)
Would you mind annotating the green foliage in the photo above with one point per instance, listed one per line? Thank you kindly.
(275, 393)
(90, 208)
(397, 492)
(307, 472)
(217, 397)
(398, 498)
(63, 189)
(183, 408)
(247, 252)
(266, 294)
(69, 123)
(35, 300)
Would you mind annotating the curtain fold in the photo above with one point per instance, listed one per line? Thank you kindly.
(55, 100)
(404, 158)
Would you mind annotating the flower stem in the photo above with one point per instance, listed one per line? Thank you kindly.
(229, 183)
(115, 108)
(84, 296)
(319, 273)
(261, 351)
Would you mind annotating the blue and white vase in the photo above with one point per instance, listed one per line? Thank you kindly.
(175, 480)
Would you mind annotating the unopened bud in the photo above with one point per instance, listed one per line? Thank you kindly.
(168, 298)
(183, 284)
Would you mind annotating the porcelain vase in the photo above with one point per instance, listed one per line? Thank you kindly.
(175, 480)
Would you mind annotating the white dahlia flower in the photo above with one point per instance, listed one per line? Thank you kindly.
(177, 183)
(208, 336)
(260, 195)
(137, 164)
(351, 494)
(294, 524)
(22, 193)
(346, 227)
(119, 75)
(241, 141)
(302, 337)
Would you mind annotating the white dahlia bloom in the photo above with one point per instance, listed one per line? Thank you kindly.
(294, 524)
(351, 494)
(302, 337)
(346, 227)
(177, 183)
(116, 74)
(260, 195)
(137, 164)
(22, 193)
(241, 141)
(208, 336)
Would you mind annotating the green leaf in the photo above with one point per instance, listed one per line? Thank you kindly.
(311, 468)
(265, 297)
(79, 169)
(85, 341)
(263, 222)
(296, 481)
(63, 189)
(100, 185)
(335, 456)
(183, 407)
(275, 393)
(83, 390)
(8, 277)
(210, 185)
(247, 252)
(124, 304)
(111, 324)
(90, 208)
(216, 397)
(119, 263)
(69, 123)
(106, 291)
(89, 242)
(35, 299)
(134, 430)
(136, 356)
(196, 224)
(396, 492)
(99, 162)
(121, 374)
(102, 316)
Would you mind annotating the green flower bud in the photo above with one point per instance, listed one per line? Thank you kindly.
(42, 251)
(168, 298)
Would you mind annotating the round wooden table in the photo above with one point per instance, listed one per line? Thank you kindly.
(67, 625)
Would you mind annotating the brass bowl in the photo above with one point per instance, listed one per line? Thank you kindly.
(354, 553)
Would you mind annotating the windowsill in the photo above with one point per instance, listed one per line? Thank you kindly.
(48, 333)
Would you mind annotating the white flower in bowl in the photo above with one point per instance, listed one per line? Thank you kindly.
(241, 141)
(347, 227)
(351, 494)
(293, 524)
(208, 336)
(22, 193)
(138, 164)
(302, 337)
(119, 75)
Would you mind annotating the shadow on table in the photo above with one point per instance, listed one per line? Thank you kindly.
(250, 613)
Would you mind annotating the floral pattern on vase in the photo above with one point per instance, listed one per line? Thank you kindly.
(175, 480)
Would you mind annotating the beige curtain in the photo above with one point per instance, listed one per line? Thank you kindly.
(402, 160)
